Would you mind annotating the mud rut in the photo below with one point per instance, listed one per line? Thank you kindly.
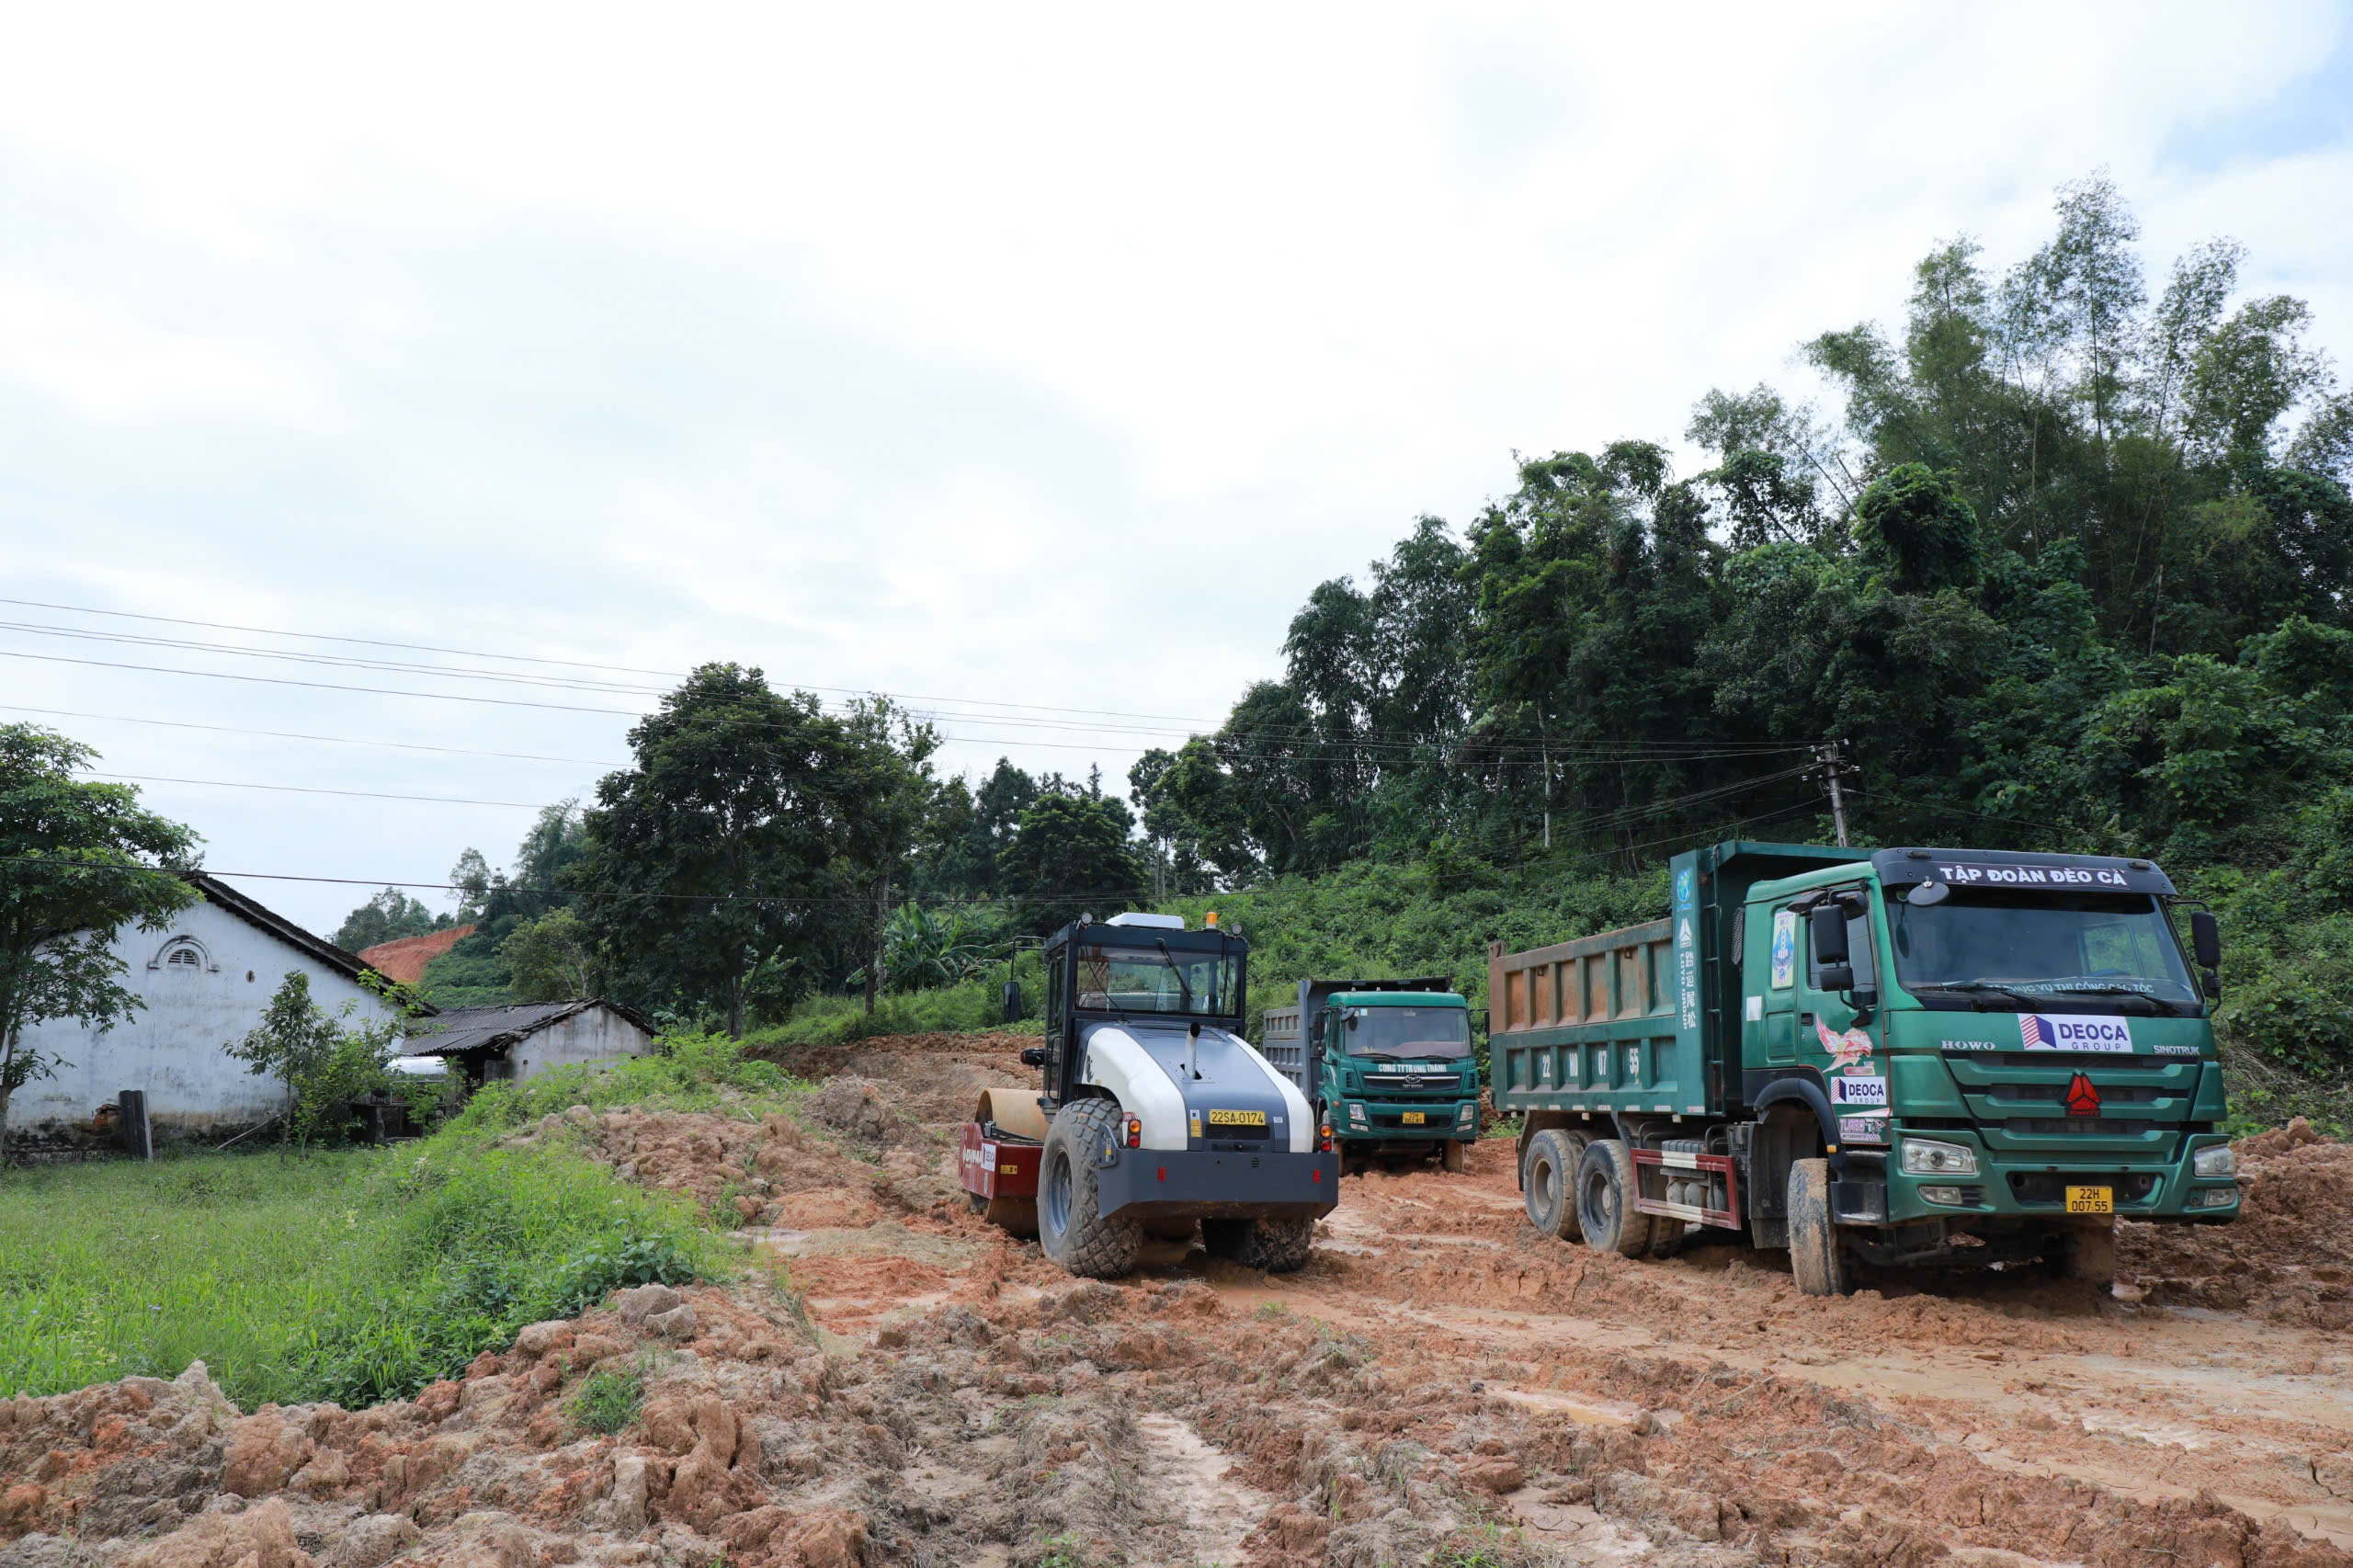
(1440, 1383)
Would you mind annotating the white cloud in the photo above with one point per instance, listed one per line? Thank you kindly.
(950, 350)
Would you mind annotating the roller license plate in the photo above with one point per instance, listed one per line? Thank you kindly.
(2091, 1200)
(1239, 1121)
(1410, 1117)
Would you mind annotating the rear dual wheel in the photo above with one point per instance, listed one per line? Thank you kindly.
(1548, 1177)
(1605, 1199)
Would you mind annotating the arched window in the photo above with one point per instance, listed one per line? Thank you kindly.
(182, 955)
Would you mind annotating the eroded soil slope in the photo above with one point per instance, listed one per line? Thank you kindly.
(1441, 1384)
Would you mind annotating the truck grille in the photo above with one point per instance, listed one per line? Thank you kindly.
(2050, 1187)
(1447, 1083)
(2074, 1125)
(2128, 1093)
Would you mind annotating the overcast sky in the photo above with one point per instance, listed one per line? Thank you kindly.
(1006, 355)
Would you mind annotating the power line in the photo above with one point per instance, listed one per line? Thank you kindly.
(297, 736)
(1633, 752)
(309, 789)
(1368, 740)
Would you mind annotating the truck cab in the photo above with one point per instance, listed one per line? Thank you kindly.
(1906, 1056)
(1986, 1042)
(1390, 1060)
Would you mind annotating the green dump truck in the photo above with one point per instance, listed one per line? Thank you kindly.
(1388, 1059)
(1909, 1056)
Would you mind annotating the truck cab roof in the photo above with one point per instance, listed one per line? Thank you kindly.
(1397, 999)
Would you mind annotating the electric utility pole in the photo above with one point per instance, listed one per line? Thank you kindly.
(1835, 768)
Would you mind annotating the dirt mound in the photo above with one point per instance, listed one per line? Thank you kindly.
(2288, 1256)
(936, 1076)
(775, 1171)
(404, 958)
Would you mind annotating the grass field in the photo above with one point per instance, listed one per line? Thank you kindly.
(357, 1275)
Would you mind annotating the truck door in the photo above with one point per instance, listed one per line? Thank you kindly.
(1835, 1037)
(1783, 930)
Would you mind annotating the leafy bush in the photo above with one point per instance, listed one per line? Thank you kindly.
(689, 1072)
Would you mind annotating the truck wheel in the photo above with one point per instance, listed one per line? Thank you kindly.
(2087, 1252)
(1454, 1155)
(1548, 1177)
(1606, 1189)
(1815, 1257)
(1279, 1246)
(1070, 1227)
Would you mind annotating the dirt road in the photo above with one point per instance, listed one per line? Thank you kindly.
(1440, 1385)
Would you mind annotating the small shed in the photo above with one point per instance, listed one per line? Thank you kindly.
(519, 1041)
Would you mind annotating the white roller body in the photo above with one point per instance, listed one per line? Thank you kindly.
(1147, 1081)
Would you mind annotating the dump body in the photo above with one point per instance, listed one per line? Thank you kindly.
(1635, 1020)
(1388, 1061)
(1994, 1044)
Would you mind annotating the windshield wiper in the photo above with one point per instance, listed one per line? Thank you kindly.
(1183, 984)
(1981, 988)
(2102, 988)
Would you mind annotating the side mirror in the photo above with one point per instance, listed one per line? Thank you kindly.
(1827, 924)
(1033, 1056)
(1834, 977)
(1013, 1001)
(2205, 938)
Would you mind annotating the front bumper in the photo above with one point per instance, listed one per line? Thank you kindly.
(1178, 1184)
(2013, 1185)
(1361, 1119)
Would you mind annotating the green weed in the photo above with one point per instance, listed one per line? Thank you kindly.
(610, 1398)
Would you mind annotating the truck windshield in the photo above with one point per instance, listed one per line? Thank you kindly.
(1406, 1031)
(2025, 946)
(1150, 980)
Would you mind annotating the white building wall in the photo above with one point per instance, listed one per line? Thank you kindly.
(599, 1034)
(172, 1048)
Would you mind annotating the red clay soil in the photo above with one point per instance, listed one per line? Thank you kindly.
(1440, 1385)
(404, 959)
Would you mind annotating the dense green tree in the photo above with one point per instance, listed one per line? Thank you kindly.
(1072, 855)
(79, 861)
(389, 917)
(748, 839)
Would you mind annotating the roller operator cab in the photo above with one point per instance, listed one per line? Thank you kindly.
(1909, 1056)
(1157, 1116)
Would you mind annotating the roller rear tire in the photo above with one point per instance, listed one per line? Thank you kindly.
(1816, 1259)
(1071, 1226)
(1606, 1210)
(1277, 1245)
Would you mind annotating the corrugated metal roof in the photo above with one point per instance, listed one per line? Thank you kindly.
(461, 1030)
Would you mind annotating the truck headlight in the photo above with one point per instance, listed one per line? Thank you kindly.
(2219, 1160)
(2213, 1197)
(1924, 1156)
(1470, 1112)
(1356, 1113)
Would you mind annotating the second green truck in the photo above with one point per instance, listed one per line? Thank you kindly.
(1907, 1056)
(1388, 1061)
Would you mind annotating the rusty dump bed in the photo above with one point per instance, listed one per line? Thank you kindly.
(1637, 1020)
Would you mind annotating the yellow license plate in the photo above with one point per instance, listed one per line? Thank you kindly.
(2091, 1200)
(1237, 1119)
(1410, 1118)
